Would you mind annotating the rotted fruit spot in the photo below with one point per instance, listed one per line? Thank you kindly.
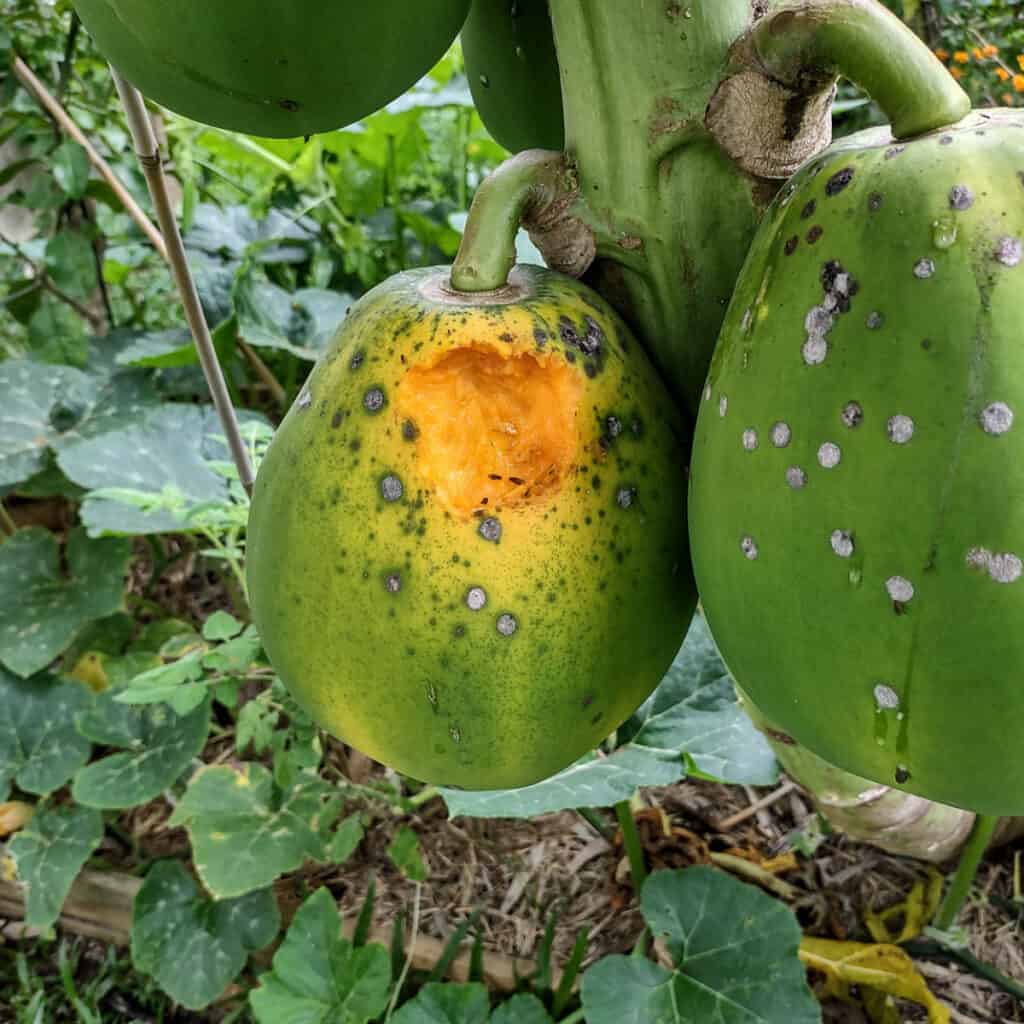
(493, 429)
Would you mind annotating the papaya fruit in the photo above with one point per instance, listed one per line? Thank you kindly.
(512, 67)
(467, 553)
(857, 483)
(280, 68)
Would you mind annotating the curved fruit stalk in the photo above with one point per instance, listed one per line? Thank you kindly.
(467, 552)
(644, 85)
(863, 572)
(512, 68)
(279, 68)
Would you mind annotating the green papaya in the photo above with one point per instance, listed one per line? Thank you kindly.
(281, 68)
(466, 553)
(512, 67)
(857, 483)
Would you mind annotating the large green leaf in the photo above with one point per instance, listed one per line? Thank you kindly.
(735, 951)
(48, 854)
(524, 1008)
(70, 165)
(40, 749)
(319, 977)
(192, 946)
(152, 474)
(692, 722)
(160, 747)
(245, 831)
(42, 608)
(232, 232)
(450, 1003)
(55, 407)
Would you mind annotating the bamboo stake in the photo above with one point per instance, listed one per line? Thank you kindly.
(148, 153)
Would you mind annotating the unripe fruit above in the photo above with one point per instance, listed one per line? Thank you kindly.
(467, 546)
(857, 488)
(278, 68)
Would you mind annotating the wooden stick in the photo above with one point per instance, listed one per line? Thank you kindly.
(50, 104)
(148, 153)
(759, 805)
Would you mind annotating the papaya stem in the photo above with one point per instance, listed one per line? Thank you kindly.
(963, 877)
(631, 841)
(525, 182)
(869, 44)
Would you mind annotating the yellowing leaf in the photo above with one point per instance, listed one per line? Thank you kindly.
(89, 670)
(882, 967)
(14, 815)
(916, 911)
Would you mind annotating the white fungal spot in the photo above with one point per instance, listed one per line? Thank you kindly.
(749, 548)
(842, 543)
(996, 418)
(476, 598)
(391, 488)
(961, 197)
(748, 318)
(796, 478)
(819, 321)
(852, 415)
(1009, 251)
(393, 583)
(781, 434)
(1005, 568)
(305, 400)
(874, 321)
(829, 455)
(506, 624)
(814, 351)
(723, 405)
(924, 268)
(750, 440)
(900, 428)
(707, 392)
(978, 558)
(900, 589)
(886, 698)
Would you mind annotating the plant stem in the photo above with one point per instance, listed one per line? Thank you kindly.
(865, 41)
(148, 154)
(632, 843)
(424, 796)
(963, 878)
(576, 1017)
(7, 524)
(488, 250)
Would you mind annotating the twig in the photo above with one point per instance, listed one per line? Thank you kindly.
(754, 873)
(727, 824)
(148, 155)
(46, 100)
(262, 371)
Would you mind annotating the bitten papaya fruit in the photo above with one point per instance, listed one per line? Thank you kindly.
(467, 553)
(857, 486)
(280, 68)
(509, 48)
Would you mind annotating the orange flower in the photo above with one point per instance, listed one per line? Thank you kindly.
(1018, 83)
(1002, 74)
(956, 73)
(963, 57)
(988, 50)
(978, 55)
(942, 54)
(1007, 99)
(1020, 60)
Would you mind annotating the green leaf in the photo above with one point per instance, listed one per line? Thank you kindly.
(735, 950)
(164, 461)
(446, 1003)
(167, 682)
(232, 232)
(221, 626)
(57, 407)
(524, 1008)
(192, 946)
(70, 262)
(40, 749)
(347, 836)
(48, 854)
(692, 718)
(70, 165)
(245, 832)
(404, 851)
(160, 747)
(318, 977)
(160, 349)
(301, 322)
(41, 609)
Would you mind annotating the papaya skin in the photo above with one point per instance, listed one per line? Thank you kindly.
(857, 487)
(480, 642)
(277, 69)
(512, 69)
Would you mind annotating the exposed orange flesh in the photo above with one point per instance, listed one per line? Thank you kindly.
(494, 430)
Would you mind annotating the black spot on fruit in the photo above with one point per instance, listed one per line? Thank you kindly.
(875, 201)
(791, 245)
(374, 400)
(809, 210)
(838, 181)
(337, 418)
(902, 774)
(409, 430)
(814, 234)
